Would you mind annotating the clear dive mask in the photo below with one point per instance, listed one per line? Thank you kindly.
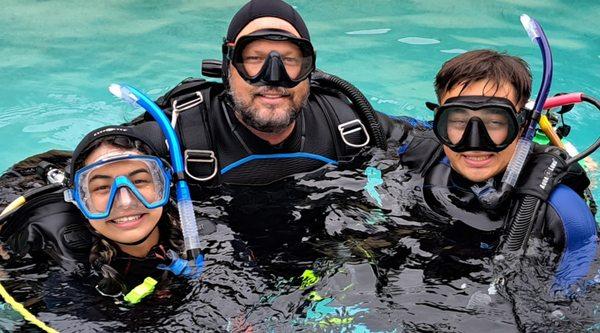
(477, 123)
(123, 181)
(285, 66)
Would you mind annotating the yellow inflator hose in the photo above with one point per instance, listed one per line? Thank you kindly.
(546, 127)
(13, 205)
(18, 307)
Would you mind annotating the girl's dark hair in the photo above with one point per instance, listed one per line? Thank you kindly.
(103, 249)
(498, 68)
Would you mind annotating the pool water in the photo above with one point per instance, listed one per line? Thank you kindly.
(374, 270)
(56, 68)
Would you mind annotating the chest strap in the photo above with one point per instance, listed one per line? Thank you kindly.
(348, 131)
(188, 101)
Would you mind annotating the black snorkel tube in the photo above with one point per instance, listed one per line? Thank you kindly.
(489, 196)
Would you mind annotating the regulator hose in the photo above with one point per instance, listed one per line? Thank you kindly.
(596, 144)
(522, 223)
(364, 107)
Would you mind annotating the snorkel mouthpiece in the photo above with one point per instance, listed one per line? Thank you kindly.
(531, 26)
(123, 93)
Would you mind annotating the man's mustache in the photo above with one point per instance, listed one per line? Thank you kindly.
(272, 90)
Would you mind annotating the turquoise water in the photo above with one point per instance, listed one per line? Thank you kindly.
(58, 57)
(56, 68)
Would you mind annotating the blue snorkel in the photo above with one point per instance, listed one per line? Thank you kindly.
(528, 207)
(184, 201)
(488, 196)
(537, 35)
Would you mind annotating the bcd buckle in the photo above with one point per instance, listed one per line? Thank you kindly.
(201, 156)
(183, 103)
(353, 126)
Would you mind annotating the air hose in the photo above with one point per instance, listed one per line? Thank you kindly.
(366, 111)
(596, 144)
(521, 226)
(18, 307)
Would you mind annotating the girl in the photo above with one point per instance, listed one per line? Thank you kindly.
(122, 189)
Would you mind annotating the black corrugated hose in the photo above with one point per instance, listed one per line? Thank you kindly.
(522, 223)
(365, 109)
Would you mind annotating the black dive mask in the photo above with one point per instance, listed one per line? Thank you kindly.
(477, 123)
(261, 67)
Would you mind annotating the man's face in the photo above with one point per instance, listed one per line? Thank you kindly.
(478, 166)
(266, 108)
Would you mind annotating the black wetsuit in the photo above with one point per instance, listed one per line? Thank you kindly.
(564, 219)
(134, 270)
(242, 158)
(448, 195)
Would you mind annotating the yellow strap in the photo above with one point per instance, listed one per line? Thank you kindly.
(23, 312)
(13, 205)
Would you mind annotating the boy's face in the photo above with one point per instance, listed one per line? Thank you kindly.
(478, 166)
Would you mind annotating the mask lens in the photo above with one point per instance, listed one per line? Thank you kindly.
(123, 182)
(252, 55)
(255, 55)
(454, 122)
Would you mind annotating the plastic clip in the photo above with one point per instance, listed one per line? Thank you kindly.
(140, 291)
(182, 267)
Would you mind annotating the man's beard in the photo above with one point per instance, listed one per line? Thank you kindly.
(250, 114)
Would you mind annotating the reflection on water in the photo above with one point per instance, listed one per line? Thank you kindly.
(319, 253)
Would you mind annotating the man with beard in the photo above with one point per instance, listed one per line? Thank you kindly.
(274, 115)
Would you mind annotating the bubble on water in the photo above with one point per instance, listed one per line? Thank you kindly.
(368, 32)
(454, 51)
(418, 41)
(479, 300)
(557, 314)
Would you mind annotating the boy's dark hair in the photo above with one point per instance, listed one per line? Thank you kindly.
(498, 68)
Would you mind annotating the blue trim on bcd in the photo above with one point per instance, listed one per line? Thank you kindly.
(255, 157)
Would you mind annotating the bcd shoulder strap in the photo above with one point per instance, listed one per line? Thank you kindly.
(420, 151)
(350, 133)
(189, 107)
(46, 225)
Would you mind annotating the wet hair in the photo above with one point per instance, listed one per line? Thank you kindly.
(498, 68)
(103, 249)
